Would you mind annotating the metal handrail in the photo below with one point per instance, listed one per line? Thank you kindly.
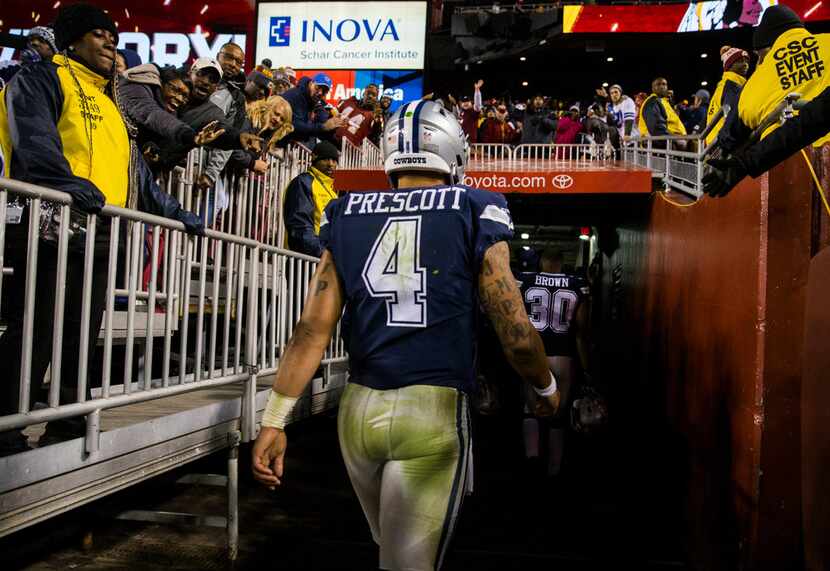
(261, 280)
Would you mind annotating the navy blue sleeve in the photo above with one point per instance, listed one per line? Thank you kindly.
(733, 133)
(731, 94)
(654, 116)
(299, 217)
(33, 101)
(327, 225)
(491, 221)
(305, 129)
(153, 200)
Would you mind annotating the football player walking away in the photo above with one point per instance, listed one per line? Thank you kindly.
(410, 266)
(558, 306)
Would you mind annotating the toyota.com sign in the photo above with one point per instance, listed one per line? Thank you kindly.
(342, 35)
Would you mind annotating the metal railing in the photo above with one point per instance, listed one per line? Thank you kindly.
(368, 156)
(247, 205)
(191, 311)
(678, 160)
(578, 153)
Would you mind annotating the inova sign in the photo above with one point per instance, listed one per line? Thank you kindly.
(342, 35)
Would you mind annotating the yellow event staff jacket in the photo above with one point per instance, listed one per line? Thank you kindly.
(43, 131)
(727, 93)
(305, 199)
(658, 118)
(796, 63)
(45, 142)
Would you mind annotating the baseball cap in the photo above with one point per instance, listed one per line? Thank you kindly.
(259, 79)
(323, 79)
(206, 63)
(290, 74)
(280, 77)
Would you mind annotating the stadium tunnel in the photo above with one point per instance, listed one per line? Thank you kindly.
(697, 322)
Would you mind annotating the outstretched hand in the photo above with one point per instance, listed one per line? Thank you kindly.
(722, 177)
(208, 134)
(268, 456)
(251, 142)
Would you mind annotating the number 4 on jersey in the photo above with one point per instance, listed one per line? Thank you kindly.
(393, 272)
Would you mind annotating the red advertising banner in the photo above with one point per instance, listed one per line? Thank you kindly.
(615, 180)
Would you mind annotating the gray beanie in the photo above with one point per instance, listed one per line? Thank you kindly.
(46, 34)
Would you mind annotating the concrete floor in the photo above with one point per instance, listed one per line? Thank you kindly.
(599, 514)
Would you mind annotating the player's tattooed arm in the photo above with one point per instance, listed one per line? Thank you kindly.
(313, 332)
(503, 304)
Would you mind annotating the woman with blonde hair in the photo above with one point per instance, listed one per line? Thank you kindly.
(271, 119)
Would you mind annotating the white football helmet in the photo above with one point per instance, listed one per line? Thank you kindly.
(423, 136)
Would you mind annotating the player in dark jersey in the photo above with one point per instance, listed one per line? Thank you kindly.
(557, 304)
(410, 266)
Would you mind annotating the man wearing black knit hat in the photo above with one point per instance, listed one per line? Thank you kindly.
(61, 128)
(306, 198)
(790, 60)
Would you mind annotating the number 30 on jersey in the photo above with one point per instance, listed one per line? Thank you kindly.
(393, 272)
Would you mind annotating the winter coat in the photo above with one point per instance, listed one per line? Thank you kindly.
(305, 200)
(567, 130)
(231, 100)
(44, 140)
(302, 105)
(495, 131)
(140, 88)
(172, 152)
(538, 126)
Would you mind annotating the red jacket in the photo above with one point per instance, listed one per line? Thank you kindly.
(495, 131)
(567, 130)
(359, 124)
(469, 123)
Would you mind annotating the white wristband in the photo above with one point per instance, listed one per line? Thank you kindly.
(548, 390)
(277, 410)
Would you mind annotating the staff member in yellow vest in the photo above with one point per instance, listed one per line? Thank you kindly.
(60, 127)
(307, 196)
(735, 69)
(790, 60)
(657, 116)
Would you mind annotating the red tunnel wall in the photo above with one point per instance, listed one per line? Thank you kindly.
(712, 327)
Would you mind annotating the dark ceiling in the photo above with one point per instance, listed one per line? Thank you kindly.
(569, 66)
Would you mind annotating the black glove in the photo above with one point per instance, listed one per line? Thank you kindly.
(90, 200)
(724, 174)
(193, 225)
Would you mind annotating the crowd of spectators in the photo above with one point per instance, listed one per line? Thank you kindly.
(607, 116)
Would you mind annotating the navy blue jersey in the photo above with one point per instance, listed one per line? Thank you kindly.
(409, 262)
(551, 301)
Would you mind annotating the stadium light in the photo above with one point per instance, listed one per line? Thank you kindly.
(524, 84)
(704, 55)
(609, 59)
(815, 7)
(704, 83)
(525, 236)
(523, 58)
